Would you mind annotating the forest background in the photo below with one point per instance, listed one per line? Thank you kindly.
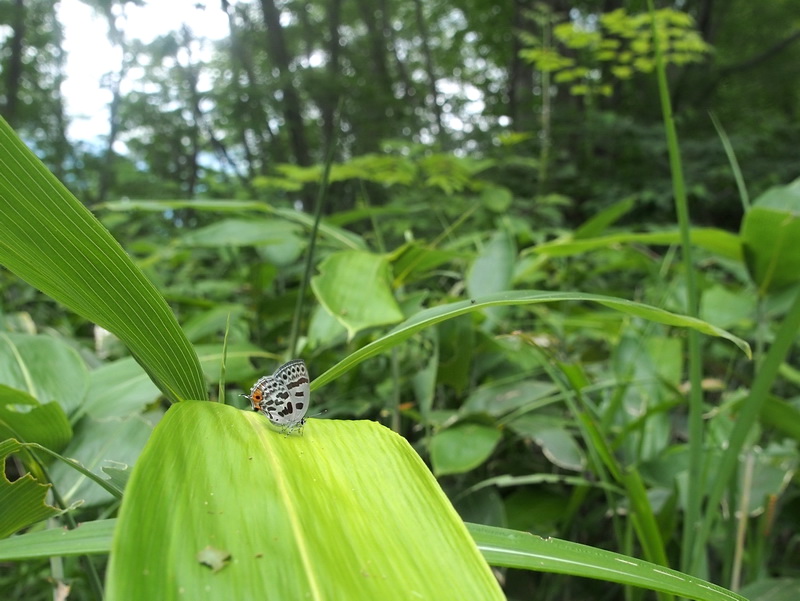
(477, 148)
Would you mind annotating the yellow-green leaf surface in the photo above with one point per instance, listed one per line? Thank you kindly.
(345, 510)
(49, 239)
(353, 286)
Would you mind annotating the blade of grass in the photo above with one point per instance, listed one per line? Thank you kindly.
(696, 433)
(523, 550)
(49, 239)
(737, 172)
(434, 315)
(312, 244)
(90, 538)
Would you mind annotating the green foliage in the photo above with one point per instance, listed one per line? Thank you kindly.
(497, 278)
(614, 47)
(769, 231)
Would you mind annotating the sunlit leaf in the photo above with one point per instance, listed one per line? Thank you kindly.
(299, 515)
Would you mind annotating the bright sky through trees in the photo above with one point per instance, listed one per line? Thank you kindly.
(90, 54)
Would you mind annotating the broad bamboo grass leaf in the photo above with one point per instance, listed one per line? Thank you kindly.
(718, 241)
(523, 550)
(91, 538)
(434, 315)
(342, 237)
(49, 239)
(22, 501)
(347, 510)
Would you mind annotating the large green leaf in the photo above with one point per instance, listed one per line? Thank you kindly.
(49, 239)
(331, 233)
(492, 270)
(281, 241)
(345, 510)
(434, 315)
(770, 230)
(353, 286)
(44, 367)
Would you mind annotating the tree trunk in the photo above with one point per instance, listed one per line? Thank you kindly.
(329, 101)
(265, 145)
(278, 53)
(430, 73)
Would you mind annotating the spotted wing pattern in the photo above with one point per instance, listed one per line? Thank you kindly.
(283, 397)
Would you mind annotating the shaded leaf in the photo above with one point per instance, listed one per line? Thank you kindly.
(353, 286)
(770, 230)
(24, 418)
(45, 367)
(462, 448)
(23, 501)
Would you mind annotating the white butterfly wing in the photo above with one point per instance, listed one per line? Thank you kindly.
(294, 377)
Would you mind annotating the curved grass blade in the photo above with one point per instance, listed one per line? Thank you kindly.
(434, 315)
(523, 550)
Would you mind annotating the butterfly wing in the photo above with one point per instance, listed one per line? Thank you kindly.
(294, 376)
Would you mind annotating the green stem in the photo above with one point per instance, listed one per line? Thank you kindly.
(321, 195)
(696, 434)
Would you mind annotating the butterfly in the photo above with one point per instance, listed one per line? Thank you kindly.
(284, 396)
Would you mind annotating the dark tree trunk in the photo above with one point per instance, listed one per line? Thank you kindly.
(278, 53)
(520, 74)
(261, 144)
(430, 71)
(107, 172)
(329, 101)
